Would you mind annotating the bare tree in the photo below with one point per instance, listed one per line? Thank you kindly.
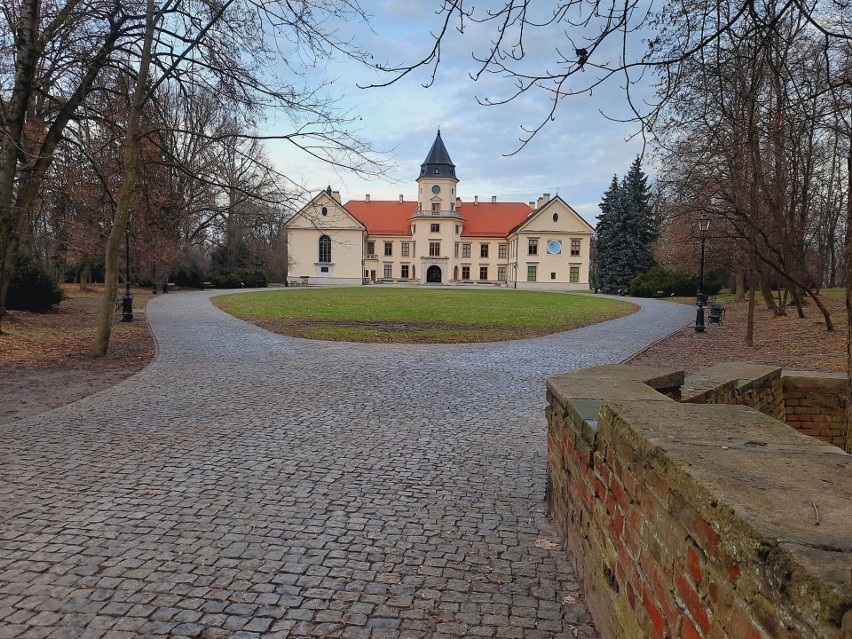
(593, 42)
(54, 54)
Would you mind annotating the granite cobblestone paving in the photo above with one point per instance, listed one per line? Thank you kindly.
(250, 485)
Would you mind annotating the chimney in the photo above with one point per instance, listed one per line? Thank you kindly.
(367, 197)
(493, 199)
(476, 200)
(532, 204)
(336, 195)
(400, 198)
(544, 199)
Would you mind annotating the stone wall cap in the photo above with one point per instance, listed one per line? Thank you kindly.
(816, 374)
(618, 380)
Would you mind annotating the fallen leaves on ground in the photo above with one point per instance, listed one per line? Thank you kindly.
(787, 341)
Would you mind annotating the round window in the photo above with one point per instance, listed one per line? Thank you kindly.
(556, 217)
(436, 189)
(324, 211)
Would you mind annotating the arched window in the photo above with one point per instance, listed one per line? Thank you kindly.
(325, 249)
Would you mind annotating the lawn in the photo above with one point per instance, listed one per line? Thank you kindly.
(419, 315)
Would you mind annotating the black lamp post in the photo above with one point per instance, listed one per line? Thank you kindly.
(700, 297)
(127, 300)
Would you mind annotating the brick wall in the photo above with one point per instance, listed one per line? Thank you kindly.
(691, 520)
(737, 384)
(815, 404)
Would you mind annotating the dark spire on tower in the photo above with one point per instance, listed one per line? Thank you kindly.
(438, 162)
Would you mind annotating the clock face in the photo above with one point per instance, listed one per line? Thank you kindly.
(554, 247)
(436, 189)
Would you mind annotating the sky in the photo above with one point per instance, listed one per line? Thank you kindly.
(575, 155)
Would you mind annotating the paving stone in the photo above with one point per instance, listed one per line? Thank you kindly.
(247, 483)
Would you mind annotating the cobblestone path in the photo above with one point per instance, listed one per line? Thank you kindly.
(252, 485)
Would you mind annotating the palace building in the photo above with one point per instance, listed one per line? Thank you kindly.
(439, 238)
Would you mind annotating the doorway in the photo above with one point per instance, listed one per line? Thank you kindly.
(433, 275)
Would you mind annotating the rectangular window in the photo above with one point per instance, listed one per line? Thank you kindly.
(323, 269)
(502, 250)
(388, 249)
(465, 250)
(483, 250)
(574, 274)
(404, 271)
(501, 273)
(325, 249)
(531, 272)
(533, 246)
(434, 228)
(483, 272)
(575, 247)
(405, 251)
(456, 250)
(465, 272)
(552, 275)
(457, 226)
(371, 248)
(436, 207)
(388, 271)
(434, 249)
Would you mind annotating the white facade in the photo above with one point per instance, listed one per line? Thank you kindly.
(440, 239)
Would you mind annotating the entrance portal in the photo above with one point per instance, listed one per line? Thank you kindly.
(433, 275)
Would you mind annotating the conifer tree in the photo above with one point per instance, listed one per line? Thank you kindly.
(626, 230)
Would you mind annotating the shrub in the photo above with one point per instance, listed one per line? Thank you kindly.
(238, 278)
(31, 287)
(673, 283)
(189, 275)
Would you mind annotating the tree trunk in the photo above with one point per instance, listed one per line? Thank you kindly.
(85, 277)
(130, 155)
(826, 315)
(752, 285)
(26, 57)
(739, 286)
(848, 275)
(768, 299)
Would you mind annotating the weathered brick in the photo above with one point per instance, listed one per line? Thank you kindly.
(694, 603)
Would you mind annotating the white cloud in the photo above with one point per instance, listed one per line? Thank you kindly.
(575, 155)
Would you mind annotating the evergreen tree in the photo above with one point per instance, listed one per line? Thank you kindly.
(626, 230)
(638, 196)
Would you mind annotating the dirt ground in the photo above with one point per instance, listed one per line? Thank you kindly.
(43, 360)
(787, 341)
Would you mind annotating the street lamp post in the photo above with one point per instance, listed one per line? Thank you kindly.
(127, 300)
(700, 297)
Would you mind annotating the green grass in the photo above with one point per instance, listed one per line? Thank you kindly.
(419, 315)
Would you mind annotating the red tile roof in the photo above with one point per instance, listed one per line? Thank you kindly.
(492, 219)
(383, 217)
(486, 219)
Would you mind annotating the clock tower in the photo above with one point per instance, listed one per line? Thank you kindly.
(436, 223)
(437, 182)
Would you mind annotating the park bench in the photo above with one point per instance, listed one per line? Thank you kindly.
(206, 285)
(168, 287)
(717, 312)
